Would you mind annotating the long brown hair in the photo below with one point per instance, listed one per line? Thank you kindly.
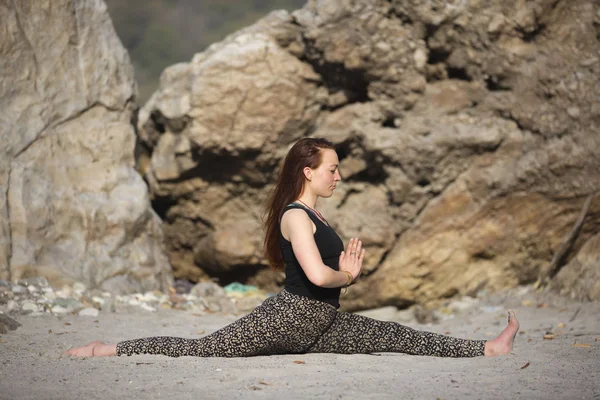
(290, 184)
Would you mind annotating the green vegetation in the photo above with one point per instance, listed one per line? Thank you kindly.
(159, 33)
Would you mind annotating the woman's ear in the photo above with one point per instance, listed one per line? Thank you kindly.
(307, 173)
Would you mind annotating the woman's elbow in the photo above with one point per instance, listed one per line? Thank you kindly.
(318, 279)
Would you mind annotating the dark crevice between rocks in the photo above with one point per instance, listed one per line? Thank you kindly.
(204, 222)
(374, 174)
(161, 206)
(388, 122)
(339, 79)
(142, 152)
(343, 150)
(485, 254)
(430, 30)
(529, 37)
(380, 262)
(399, 15)
(158, 121)
(494, 84)
(423, 182)
(336, 77)
(509, 117)
(458, 73)
(229, 166)
(383, 257)
(238, 273)
(9, 233)
(161, 124)
(398, 302)
(346, 197)
(437, 56)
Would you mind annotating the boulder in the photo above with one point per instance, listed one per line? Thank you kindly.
(218, 127)
(467, 136)
(73, 206)
(580, 278)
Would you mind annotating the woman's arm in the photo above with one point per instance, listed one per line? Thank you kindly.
(297, 227)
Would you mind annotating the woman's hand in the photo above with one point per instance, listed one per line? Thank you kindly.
(351, 260)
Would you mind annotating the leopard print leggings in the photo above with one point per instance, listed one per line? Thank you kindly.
(287, 323)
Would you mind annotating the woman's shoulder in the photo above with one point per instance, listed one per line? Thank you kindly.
(294, 213)
(296, 220)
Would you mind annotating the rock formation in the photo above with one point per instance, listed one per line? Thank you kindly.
(467, 133)
(72, 206)
(580, 278)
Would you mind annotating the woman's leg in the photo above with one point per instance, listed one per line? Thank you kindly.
(253, 334)
(351, 333)
(94, 349)
(282, 324)
(504, 342)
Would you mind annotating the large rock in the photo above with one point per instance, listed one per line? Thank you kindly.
(467, 133)
(73, 206)
(580, 278)
(218, 127)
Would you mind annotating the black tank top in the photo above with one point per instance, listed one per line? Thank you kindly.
(330, 246)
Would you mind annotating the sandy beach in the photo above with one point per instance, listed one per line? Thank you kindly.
(565, 367)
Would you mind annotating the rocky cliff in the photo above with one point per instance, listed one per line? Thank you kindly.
(72, 206)
(467, 133)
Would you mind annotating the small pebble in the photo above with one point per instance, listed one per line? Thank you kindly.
(573, 112)
(79, 287)
(12, 305)
(29, 306)
(89, 312)
(146, 307)
(18, 289)
(98, 300)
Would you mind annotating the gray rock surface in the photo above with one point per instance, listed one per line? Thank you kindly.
(72, 206)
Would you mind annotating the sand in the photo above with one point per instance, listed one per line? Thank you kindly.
(34, 366)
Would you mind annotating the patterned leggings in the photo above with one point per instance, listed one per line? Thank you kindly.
(287, 323)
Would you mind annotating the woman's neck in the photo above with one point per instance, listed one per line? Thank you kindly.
(308, 200)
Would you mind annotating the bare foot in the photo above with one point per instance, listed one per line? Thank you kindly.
(94, 349)
(504, 342)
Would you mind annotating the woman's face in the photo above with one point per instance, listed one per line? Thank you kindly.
(324, 178)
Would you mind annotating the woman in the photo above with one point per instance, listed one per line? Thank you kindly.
(303, 317)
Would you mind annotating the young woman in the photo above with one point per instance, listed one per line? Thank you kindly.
(303, 317)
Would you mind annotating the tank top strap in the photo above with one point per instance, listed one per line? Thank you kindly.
(313, 217)
(292, 206)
